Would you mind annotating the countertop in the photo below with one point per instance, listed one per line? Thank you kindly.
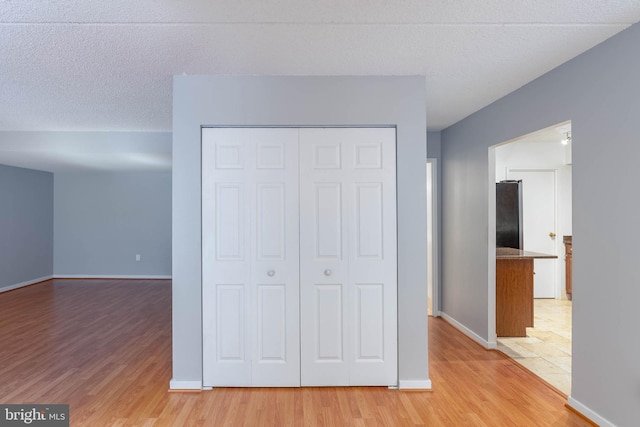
(511, 253)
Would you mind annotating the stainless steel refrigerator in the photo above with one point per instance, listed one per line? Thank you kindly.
(509, 215)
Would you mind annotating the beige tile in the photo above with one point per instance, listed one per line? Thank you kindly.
(564, 334)
(520, 340)
(548, 336)
(545, 349)
(514, 350)
(539, 365)
(564, 362)
(563, 346)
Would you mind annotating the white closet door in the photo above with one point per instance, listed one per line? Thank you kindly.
(250, 259)
(348, 276)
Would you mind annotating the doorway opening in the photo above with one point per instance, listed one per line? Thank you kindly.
(540, 164)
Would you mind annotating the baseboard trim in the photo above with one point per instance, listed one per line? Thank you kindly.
(110, 276)
(403, 385)
(587, 413)
(177, 385)
(468, 332)
(414, 385)
(23, 284)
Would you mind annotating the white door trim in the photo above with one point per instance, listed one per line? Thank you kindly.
(492, 338)
(435, 242)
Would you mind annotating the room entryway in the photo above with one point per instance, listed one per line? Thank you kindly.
(542, 163)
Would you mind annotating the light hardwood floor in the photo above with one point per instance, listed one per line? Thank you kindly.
(104, 347)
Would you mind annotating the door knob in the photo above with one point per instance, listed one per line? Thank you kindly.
(327, 272)
(271, 273)
(552, 235)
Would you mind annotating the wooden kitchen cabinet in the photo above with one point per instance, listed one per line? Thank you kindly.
(514, 297)
(514, 291)
(568, 260)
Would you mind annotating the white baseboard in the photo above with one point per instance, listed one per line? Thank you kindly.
(197, 385)
(109, 276)
(468, 332)
(27, 283)
(185, 385)
(587, 412)
(414, 385)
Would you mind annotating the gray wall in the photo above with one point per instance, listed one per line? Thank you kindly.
(434, 151)
(599, 91)
(298, 101)
(434, 145)
(103, 219)
(26, 225)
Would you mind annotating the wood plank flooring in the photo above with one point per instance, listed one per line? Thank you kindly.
(104, 347)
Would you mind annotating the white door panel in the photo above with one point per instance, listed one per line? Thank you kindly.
(250, 257)
(369, 322)
(226, 264)
(324, 270)
(327, 220)
(231, 338)
(539, 220)
(275, 259)
(229, 221)
(372, 261)
(348, 262)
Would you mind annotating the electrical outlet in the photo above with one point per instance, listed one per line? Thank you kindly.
(138, 257)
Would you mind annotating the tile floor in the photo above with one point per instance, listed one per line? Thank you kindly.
(546, 350)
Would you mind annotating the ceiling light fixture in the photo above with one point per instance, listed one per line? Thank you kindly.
(567, 138)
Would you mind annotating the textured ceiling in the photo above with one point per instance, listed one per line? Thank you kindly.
(108, 66)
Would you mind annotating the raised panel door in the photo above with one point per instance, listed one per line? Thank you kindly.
(250, 257)
(348, 257)
(299, 263)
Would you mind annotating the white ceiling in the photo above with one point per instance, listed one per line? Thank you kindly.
(86, 151)
(81, 65)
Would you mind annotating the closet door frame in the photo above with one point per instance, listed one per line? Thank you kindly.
(244, 369)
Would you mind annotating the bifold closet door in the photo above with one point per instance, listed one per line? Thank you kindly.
(348, 267)
(250, 263)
